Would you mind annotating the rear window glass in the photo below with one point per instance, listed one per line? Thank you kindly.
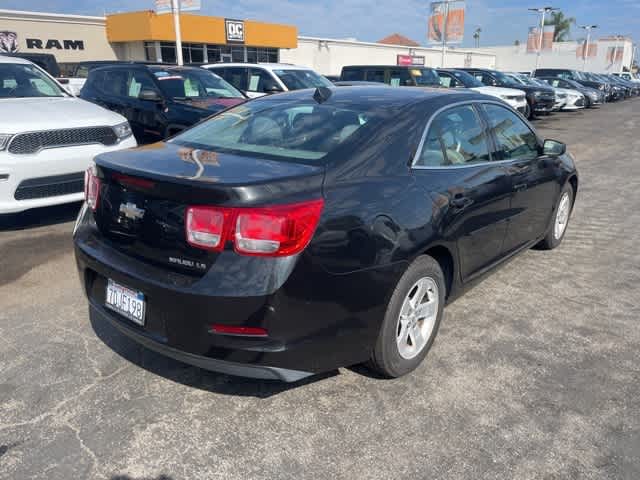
(305, 131)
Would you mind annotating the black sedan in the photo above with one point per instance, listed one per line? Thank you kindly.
(302, 232)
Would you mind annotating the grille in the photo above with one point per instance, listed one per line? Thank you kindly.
(35, 141)
(54, 186)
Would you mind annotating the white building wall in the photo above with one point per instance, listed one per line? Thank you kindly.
(328, 56)
(563, 55)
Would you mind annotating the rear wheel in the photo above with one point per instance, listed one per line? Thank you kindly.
(560, 220)
(412, 319)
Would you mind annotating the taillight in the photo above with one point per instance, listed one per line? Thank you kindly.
(265, 231)
(91, 188)
(205, 227)
(276, 231)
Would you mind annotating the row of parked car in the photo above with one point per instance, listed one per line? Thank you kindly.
(146, 102)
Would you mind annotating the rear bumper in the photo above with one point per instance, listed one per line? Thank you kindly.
(206, 363)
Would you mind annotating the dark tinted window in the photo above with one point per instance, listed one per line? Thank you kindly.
(514, 138)
(299, 79)
(455, 137)
(236, 76)
(138, 81)
(116, 82)
(424, 77)
(399, 77)
(352, 74)
(375, 75)
(448, 81)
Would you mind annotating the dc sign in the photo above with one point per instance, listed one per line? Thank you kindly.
(234, 31)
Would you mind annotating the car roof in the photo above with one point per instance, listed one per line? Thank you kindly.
(388, 66)
(268, 66)
(143, 66)
(383, 96)
(11, 59)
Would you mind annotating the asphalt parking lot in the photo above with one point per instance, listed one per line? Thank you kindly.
(535, 373)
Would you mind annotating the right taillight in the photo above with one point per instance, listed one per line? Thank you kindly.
(275, 231)
(91, 188)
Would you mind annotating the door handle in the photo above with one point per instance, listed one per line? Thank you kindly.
(519, 169)
(520, 187)
(460, 201)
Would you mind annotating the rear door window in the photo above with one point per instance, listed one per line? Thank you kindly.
(514, 139)
(456, 137)
(236, 76)
(260, 81)
(376, 75)
(399, 77)
(352, 74)
(137, 82)
(116, 82)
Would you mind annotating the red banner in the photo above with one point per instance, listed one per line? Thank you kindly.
(455, 14)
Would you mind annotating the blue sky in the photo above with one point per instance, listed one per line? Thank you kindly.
(502, 21)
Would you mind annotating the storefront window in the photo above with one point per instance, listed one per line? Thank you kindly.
(168, 52)
(252, 55)
(197, 53)
(213, 53)
(237, 54)
(150, 51)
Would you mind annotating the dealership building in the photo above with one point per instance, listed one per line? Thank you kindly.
(148, 36)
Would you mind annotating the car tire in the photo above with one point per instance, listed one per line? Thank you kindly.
(404, 340)
(562, 214)
(528, 113)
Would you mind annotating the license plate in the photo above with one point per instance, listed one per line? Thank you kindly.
(126, 302)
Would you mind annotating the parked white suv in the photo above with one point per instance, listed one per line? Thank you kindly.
(48, 138)
(258, 79)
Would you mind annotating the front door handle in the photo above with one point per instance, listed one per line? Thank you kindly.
(519, 187)
(460, 201)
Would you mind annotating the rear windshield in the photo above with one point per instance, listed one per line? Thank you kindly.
(196, 83)
(299, 79)
(300, 130)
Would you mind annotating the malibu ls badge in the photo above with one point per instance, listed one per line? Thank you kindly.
(131, 211)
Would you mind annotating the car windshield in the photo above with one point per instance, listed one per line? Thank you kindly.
(299, 79)
(196, 83)
(425, 77)
(506, 80)
(467, 79)
(280, 129)
(18, 80)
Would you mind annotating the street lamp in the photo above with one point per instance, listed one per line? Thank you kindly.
(476, 36)
(543, 13)
(585, 51)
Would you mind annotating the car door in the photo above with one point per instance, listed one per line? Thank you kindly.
(146, 116)
(533, 177)
(457, 167)
(110, 91)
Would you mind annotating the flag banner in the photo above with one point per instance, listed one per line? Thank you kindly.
(533, 39)
(164, 6)
(590, 52)
(614, 55)
(455, 14)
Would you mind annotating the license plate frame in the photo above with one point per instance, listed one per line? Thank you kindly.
(129, 303)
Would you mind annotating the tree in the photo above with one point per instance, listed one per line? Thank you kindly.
(562, 24)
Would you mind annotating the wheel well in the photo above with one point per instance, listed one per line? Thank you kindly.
(573, 181)
(443, 256)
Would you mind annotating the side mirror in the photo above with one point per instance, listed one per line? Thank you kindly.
(149, 95)
(273, 88)
(553, 148)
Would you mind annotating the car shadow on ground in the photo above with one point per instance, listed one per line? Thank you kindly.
(40, 217)
(127, 477)
(188, 375)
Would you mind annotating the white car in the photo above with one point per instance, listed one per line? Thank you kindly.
(48, 138)
(451, 78)
(566, 98)
(258, 79)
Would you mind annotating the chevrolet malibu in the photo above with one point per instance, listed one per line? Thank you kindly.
(315, 229)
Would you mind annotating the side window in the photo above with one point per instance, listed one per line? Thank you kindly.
(236, 76)
(375, 76)
(352, 74)
(260, 80)
(399, 77)
(448, 81)
(456, 137)
(137, 82)
(487, 79)
(115, 82)
(514, 139)
(82, 71)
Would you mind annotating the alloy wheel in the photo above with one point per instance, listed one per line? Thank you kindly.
(417, 318)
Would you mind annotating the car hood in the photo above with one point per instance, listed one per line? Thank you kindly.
(48, 113)
(211, 104)
(568, 91)
(498, 91)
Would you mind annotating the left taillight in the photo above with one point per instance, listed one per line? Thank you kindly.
(275, 231)
(91, 188)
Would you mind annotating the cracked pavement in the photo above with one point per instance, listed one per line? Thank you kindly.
(535, 373)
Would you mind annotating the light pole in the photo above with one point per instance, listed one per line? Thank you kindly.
(543, 13)
(175, 7)
(476, 36)
(585, 51)
(444, 31)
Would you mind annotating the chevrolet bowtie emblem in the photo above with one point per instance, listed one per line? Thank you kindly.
(131, 210)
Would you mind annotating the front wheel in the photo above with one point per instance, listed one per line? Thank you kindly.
(412, 319)
(560, 220)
